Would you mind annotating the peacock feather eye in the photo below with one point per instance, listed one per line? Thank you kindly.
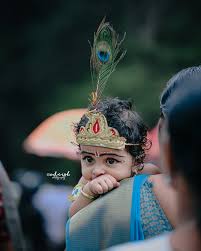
(103, 52)
(103, 56)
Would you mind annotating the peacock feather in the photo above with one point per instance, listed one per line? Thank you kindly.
(105, 55)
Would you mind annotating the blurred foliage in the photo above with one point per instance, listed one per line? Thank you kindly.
(44, 57)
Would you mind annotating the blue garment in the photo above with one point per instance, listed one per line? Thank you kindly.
(136, 231)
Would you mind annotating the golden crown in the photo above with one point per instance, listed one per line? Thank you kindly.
(98, 133)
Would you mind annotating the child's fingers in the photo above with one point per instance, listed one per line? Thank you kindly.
(104, 186)
(109, 184)
(97, 189)
(113, 180)
(108, 176)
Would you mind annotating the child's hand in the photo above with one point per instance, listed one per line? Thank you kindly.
(100, 185)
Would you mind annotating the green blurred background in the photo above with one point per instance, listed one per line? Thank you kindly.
(44, 58)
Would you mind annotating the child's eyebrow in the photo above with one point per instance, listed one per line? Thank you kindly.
(113, 154)
(84, 152)
(102, 154)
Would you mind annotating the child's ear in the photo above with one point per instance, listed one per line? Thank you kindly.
(169, 166)
(134, 170)
(137, 168)
(133, 162)
(134, 166)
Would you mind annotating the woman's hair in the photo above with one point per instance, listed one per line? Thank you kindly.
(182, 79)
(184, 126)
(128, 123)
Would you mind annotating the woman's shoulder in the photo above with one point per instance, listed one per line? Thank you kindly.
(165, 195)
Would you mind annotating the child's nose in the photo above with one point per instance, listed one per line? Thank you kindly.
(97, 171)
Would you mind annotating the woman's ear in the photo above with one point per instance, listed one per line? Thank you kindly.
(172, 174)
(166, 157)
(167, 162)
(160, 125)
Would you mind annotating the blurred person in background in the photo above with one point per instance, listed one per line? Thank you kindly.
(32, 220)
(52, 202)
(43, 208)
(11, 235)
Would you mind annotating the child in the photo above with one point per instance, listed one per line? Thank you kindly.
(112, 140)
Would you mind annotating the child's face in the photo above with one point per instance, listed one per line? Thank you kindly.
(96, 161)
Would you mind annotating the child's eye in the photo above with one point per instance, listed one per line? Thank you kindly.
(88, 159)
(111, 161)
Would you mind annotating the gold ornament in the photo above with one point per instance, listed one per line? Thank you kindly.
(98, 133)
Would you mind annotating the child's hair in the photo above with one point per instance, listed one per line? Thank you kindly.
(128, 123)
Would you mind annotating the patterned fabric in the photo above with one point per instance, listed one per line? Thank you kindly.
(75, 192)
(3, 228)
(153, 218)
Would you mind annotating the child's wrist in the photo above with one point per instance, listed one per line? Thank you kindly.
(86, 195)
(86, 189)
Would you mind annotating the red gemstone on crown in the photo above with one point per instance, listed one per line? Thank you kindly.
(81, 129)
(96, 127)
